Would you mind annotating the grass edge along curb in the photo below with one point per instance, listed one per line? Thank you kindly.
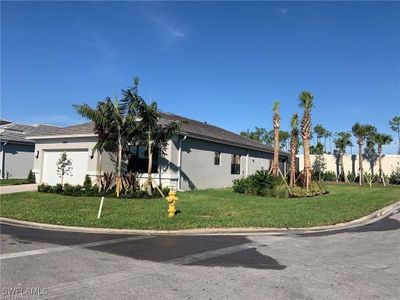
(365, 220)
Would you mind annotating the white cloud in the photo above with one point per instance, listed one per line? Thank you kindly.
(283, 11)
(167, 29)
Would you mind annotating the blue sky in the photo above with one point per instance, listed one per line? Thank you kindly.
(220, 62)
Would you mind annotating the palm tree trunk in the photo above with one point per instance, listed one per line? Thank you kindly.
(292, 168)
(150, 165)
(275, 164)
(307, 163)
(118, 189)
(343, 174)
(360, 164)
(380, 164)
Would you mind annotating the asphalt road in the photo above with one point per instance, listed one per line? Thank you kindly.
(358, 263)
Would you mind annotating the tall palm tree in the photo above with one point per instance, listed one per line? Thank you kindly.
(306, 102)
(294, 122)
(395, 126)
(327, 135)
(116, 126)
(157, 135)
(381, 139)
(319, 131)
(342, 141)
(361, 132)
(276, 120)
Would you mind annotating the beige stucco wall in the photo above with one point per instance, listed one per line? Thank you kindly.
(64, 144)
(197, 169)
(389, 163)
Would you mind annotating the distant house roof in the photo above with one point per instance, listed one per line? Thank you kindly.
(189, 127)
(14, 132)
(3, 122)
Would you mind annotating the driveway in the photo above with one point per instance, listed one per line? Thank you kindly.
(358, 263)
(9, 189)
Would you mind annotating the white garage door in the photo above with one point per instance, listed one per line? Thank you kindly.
(79, 159)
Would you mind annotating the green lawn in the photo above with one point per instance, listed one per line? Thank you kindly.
(201, 209)
(13, 181)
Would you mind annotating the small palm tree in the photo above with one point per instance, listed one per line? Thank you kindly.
(381, 139)
(361, 132)
(294, 122)
(306, 99)
(276, 120)
(342, 141)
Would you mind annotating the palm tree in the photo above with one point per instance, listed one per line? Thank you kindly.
(381, 139)
(395, 126)
(157, 135)
(327, 134)
(116, 126)
(283, 138)
(306, 102)
(342, 141)
(319, 132)
(276, 119)
(361, 132)
(294, 121)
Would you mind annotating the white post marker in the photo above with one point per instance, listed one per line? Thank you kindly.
(100, 208)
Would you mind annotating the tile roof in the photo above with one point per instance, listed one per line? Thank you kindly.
(14, 132)
(189, 127)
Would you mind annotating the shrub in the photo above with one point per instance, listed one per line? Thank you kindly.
(351, 177)
(259, 183)
(68, 189)
(241, 185)
(44, 188)
(58, 188)
(31, 177)
(395, 176)
(329, 176)
(87, 183)
(314, 190)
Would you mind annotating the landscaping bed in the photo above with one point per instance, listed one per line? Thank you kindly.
(220, 208)
(14, 181)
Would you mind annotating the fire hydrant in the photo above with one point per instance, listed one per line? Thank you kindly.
(171, 199)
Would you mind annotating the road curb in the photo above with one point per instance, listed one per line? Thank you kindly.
(368, 219)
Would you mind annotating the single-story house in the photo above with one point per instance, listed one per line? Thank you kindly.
(16, 152)
(200, 156)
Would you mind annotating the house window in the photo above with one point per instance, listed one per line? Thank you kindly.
(138, 160)
(217, 158)
(235, 164)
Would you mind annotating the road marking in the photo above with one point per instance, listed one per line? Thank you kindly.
(71, 247)
(151, 267)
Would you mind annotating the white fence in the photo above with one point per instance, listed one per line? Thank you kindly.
(389, 163)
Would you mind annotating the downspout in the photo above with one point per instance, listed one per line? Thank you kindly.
(180, 162)
(2, 164)
(247, 163)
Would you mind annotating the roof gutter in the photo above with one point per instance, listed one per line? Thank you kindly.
(61, 136)
(282, 153)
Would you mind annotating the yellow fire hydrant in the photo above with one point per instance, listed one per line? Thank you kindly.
(171, 199)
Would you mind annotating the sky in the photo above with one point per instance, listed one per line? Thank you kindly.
(220, 62)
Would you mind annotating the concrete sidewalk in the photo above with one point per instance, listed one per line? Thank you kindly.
(9, 189)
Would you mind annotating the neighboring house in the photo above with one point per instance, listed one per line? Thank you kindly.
(201, 156)
(16, 152)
